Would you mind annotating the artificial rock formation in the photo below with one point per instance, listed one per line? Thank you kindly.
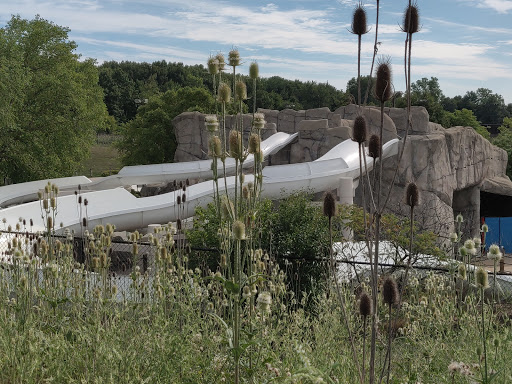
(450, 166)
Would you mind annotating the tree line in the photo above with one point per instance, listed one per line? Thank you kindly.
(53, 102)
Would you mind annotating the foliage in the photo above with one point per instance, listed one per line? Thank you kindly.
(149, 138)
(464, 118)
(504, 141)
(51, 102)
(427, 93)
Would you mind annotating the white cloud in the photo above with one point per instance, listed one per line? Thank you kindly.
(500, 6)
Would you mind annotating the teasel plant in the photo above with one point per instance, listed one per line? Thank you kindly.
(375, 50)
(359, 28)
(390, 297)
(482, 283)
(412, 199)
(330, 210)
(410, 26)
(365, 310)
(213, 69)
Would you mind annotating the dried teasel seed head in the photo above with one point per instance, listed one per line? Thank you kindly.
(374, 146)
(329, 205)
(239, 230)
(246, 192)
(412, 195)
(211, 123)
(365, 305)
(411, 22)
(235, 146)
(221, 61)
(178, 224)
(359, 26)
(254, 70)
(224, 93)
(390, 291)
(481, 278)
(359, 132)
(383, 86)
(259, 120)
(234, 58)
(184, 198)
(178, 199)
(254, 143)
(462, 271)
(213, 65)
(215, 146)
(241, 90)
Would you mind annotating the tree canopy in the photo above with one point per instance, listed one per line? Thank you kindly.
(51, 102)
(149, 138)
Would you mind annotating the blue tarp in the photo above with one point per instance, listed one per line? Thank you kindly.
(500, 232)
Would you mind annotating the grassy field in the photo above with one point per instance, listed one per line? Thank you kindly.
(104, 158)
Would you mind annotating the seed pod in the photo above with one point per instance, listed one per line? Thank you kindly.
(365, 305)
(224, 93)
(184, 198)
(411, 22)
(178, 224)
(329, 205)
(412, 195)
(49, 222)
(390, 291)
(481, 278)
(235, 148)
(241, 90)
(374, 146)
(211, 123)
(86, 202)
(79, 199)
(221, 61)
(254, 70)
(254, 143)
(234, 58)
(246, 193)
(84, 222)
(383, 86)
(215, 146)
(259, 120)
(359, 26)
(239, 230)
(178, 200)
(462, 271)
(359, 131)
(213, 65)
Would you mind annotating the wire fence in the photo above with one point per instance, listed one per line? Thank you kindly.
(352, 261)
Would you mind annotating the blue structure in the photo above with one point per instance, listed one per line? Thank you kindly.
(500, 232)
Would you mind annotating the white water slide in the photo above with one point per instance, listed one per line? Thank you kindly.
(119, 207)
(139, 174)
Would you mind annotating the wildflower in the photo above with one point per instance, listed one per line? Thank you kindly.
(365, 305)
(454, 237)
(485, 228)
(254, 70)
(239, 230)
(411, 20)
(211, 122)
(374, 146)
(459, 219)
(259, 120)
(462, 271)
(481, 278)
(264, 301)
(477, 241)
(241, 90)
(383, 86)
(470, 247)
(359, 131)
(412, 195)
(390, 291)
(494, 253)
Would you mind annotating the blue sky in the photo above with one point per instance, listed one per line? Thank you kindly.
(466, 44)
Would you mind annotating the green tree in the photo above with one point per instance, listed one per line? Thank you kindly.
(504, 140)
(149, 138)
(427, 93)
(51, 102)
(488, 107)
(464, 118)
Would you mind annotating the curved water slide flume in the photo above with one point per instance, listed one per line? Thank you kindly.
(201, 169)
(119, 207)
(139, 174)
